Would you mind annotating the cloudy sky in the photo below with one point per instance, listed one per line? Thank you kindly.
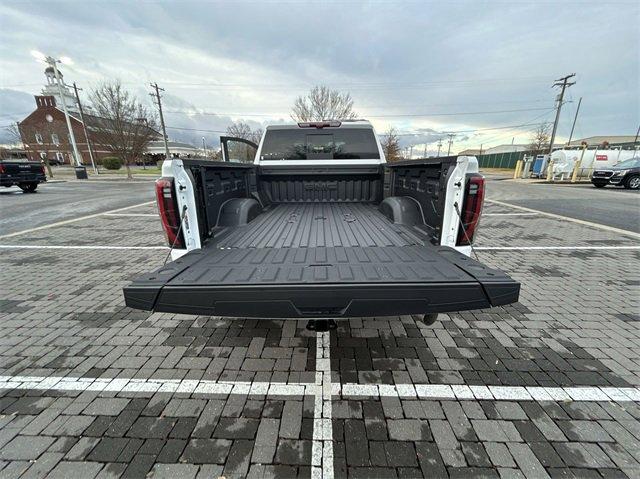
(477, 69)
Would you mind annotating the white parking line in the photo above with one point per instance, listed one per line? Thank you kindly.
(567, 218)
(156, 385)
(509, 214)
(545, 248)
(322, 445)
(150, 215)
(494, 393)
(73, 220)
(33, 246)
(325, 391)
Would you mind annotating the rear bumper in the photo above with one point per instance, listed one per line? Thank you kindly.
(323, 301)
(258, 283)
(10, 180)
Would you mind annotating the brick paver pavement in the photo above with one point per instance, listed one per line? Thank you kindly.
(488, 393)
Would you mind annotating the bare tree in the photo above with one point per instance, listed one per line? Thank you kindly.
(55, 138)
(13, 130)
(122, 124)
(242, 130)
(391, 145)
(539, 142)
(322, 103)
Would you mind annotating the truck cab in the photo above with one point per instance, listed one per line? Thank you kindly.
(314, 223)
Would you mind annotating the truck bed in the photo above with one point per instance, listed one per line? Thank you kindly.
(300, 260)
(311, 225)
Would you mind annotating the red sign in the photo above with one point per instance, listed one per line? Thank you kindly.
(602, 157)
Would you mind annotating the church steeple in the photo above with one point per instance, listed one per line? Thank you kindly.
(51, 89)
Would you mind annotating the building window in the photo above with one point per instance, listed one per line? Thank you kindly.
(39, 138)
(43, 155)
(60, 157)
(55, 139)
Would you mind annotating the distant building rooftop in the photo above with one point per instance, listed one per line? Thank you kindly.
(509, 148)
(599, 140)
(470, 152)
(175, 147)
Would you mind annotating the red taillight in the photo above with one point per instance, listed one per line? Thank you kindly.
(169, 213)
(42, 169)
(1, 168)
(471, 210)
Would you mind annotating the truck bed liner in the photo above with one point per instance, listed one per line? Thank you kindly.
(321, 260)
(310, 225)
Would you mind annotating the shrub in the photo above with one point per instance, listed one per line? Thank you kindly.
(112, 163)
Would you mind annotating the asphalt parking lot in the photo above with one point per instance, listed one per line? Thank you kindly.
(548, 387)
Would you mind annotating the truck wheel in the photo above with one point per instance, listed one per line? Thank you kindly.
(427, 319)
(632, 183)
(28, 187)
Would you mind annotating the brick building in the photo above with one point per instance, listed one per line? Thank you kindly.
(45, 133)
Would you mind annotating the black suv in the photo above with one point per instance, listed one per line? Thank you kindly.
(625, 173)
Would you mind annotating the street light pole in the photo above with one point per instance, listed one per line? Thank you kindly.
(84, 127)
(76, 154)
(204, 147)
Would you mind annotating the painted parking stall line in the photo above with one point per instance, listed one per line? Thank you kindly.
(86, 247)
(74, 220)
(494, 393)
(322, 445)
(137, 215)
(509, 214)
(123, 385)
(566, 218)
(324, 391)
(559, 248)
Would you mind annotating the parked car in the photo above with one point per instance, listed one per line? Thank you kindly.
(26, 174)
(320, 226)
(625, 173)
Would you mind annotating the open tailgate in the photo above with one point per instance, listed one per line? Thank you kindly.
(321, 282)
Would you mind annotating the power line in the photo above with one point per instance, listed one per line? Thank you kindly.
(194, 129)
(416, 84)
(500, 137)
(398, 115)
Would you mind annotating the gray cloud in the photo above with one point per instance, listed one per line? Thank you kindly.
(240, 60)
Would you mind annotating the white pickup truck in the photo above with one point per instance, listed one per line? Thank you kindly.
(313, 223)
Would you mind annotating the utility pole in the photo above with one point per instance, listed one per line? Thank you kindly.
(164, 130)
(411, 152)
(424, 155)
(481, 144)
(53, 63)
(575, 118)
(204, 147)
(563, 83)
(439, 146)
(451, 135)
(84, 127)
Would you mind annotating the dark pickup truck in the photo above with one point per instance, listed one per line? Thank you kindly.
(26, 174)
(316, 224)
